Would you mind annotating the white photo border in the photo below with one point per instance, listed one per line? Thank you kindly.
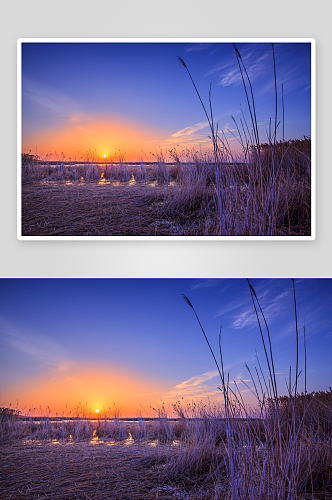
(312, 41)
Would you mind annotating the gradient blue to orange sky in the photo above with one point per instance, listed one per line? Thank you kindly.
(135, 343)
(129, 100)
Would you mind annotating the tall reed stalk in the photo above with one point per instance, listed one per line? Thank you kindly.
(281, 439)
(253, 208)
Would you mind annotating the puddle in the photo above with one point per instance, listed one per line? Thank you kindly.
(32, 441)
(132, 181)
(129, 440)
(103, 181)
(95, 439)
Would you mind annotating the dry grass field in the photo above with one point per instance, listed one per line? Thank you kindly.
(81, 470)
(185, 198)
(203, 454)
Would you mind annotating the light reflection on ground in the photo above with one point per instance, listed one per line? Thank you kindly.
(103, 180)
(129, 440)
(132, 181)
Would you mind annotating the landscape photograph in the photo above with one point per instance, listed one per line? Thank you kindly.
(166, 138)
(172, 388)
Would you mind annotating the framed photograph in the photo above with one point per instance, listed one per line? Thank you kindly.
(166, 139)
(120, 389)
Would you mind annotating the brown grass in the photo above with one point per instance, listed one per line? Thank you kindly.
(81, 471)
(93, 209)
(186, 458)
(178, 199)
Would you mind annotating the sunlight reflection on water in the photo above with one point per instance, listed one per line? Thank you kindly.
(110, 443)
(103, 180)
(129, 440)
(132, 181)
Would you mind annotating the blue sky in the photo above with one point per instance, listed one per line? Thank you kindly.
(136, 97)
(134, 342)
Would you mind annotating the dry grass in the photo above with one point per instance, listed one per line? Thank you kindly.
(287, 453)
(282, 450)
(135, 208)
(81, 471)
(267, 192)
(188, 458)
(178, 199)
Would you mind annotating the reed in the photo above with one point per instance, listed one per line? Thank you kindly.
(276, 456)
(259, 203)
(190, 455)
(280, 450)
(265, 192)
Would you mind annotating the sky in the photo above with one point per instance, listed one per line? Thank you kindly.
(134, 344)
(136, 102)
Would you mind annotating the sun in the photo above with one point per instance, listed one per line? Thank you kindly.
(97, 411)
(104, 156)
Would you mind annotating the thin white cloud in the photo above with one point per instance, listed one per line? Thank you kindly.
(198, 47)
(33, 345)
(196, 381)
(230, 307)
(205, 283)
(190, 137)
(233, 76)
(308, 87)
(218, 67)
(271, 309)
(246, 318)
(254, 69)
(282, 296)
(51, 100)
(187, 131)
(193, 388)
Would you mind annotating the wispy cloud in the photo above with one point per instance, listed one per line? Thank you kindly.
(189, 130)
(48, 99)
(190, 136)
(208, 385)
(272, 308)
(255, 70)
(219, 67)
(230, 307)
(231, 77)
(33, 345)
(308, 87)
(193, 388)
(246, 318)
(205, 283)
(198, 47)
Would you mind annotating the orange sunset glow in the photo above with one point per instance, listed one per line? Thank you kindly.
(137, 98)
(111, 139)
(98, 388)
